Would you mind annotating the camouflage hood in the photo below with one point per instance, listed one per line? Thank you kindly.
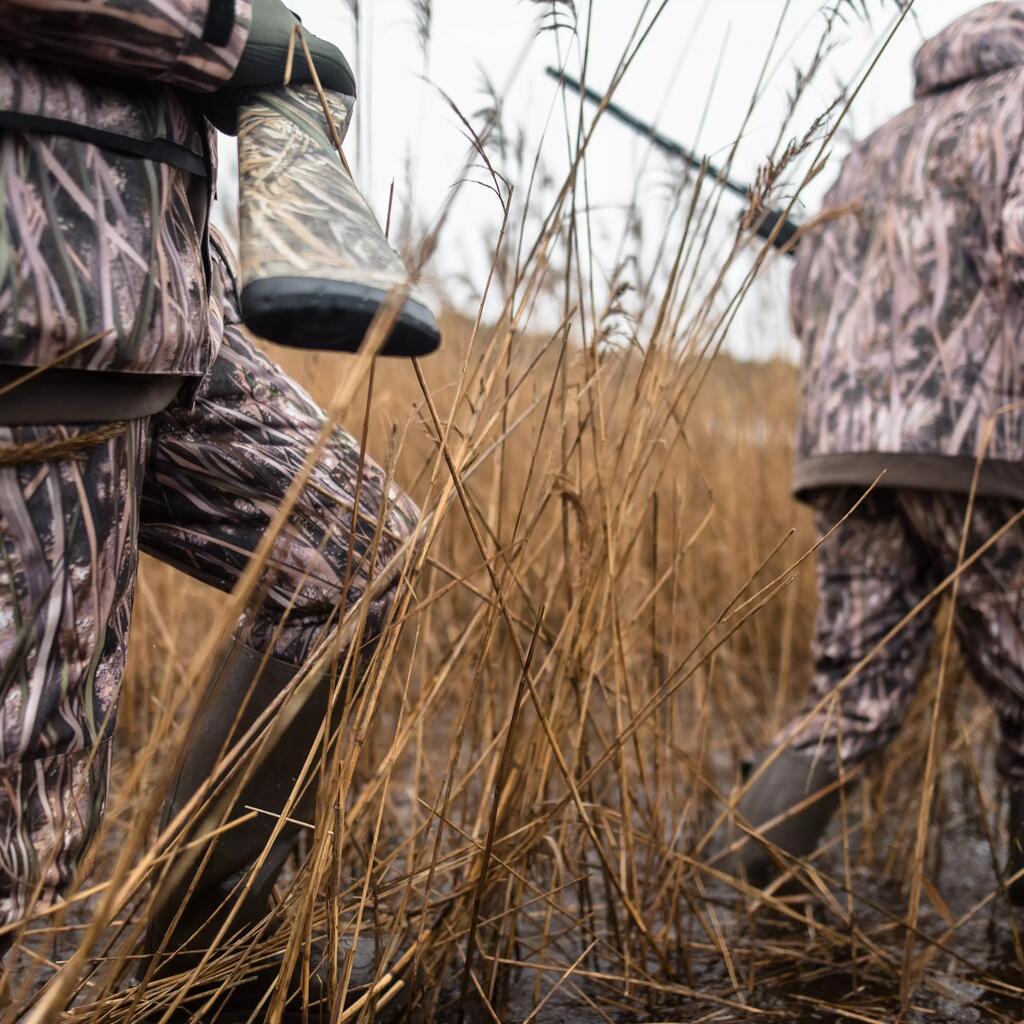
(983, 42)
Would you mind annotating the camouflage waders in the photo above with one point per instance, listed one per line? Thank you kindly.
(890, 554)
(906, 297)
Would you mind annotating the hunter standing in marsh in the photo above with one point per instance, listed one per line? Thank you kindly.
(908, 301)
(138, 415)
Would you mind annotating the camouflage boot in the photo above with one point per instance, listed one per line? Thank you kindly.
(786, 785)
(184, 923)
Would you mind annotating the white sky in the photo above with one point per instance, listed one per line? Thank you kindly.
(401, 119)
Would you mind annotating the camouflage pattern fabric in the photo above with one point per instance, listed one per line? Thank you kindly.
(97, 244)
(890, 554)
(196, 486)
(987, 40)
(218, 471)
(135, 111)
(102, 250)
(164, 40)
(68, 544)
(289, 174)
(909, 298)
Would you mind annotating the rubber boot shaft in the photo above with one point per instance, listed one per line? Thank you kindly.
(786, 783)
(249, 681)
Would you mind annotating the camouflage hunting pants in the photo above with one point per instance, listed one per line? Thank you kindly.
(888, 556)
(196, 486)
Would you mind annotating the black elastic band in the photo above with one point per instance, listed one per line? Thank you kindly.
(220, 22)
(61, 395)
(161, 150)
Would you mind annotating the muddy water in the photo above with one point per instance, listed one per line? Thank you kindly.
(970, 959)
(784, 971)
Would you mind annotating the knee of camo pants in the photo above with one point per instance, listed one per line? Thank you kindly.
(871, 574)
(326, 559)
(223, 464)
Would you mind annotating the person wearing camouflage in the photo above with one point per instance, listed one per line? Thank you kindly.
(136, 414)
(908, 299)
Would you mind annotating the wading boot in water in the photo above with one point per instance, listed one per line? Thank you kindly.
(790, 781)
(1015, 857)
(193, 904)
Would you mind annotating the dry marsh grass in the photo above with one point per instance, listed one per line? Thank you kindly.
(607, 610)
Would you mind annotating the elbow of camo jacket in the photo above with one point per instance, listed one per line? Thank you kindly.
(106, 179)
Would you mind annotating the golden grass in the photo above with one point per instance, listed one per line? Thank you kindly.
(608, 608)
(569, 850)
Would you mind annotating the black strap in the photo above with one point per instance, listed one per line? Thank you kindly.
(62, 396)
(163, 151)
(220, 22)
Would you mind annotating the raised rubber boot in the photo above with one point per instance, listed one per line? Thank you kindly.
(248, 680)
(1015, 856)
(788, 782)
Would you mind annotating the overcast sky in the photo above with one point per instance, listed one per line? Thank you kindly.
(403, 120)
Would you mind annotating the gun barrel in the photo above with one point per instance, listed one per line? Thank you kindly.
(768, 221)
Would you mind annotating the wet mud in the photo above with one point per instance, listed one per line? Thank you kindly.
(831, 950)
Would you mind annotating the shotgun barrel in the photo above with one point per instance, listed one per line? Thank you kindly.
(768, 220)
(316, 266)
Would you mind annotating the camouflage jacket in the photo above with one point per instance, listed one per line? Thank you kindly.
(908, 297)
(106, 178)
